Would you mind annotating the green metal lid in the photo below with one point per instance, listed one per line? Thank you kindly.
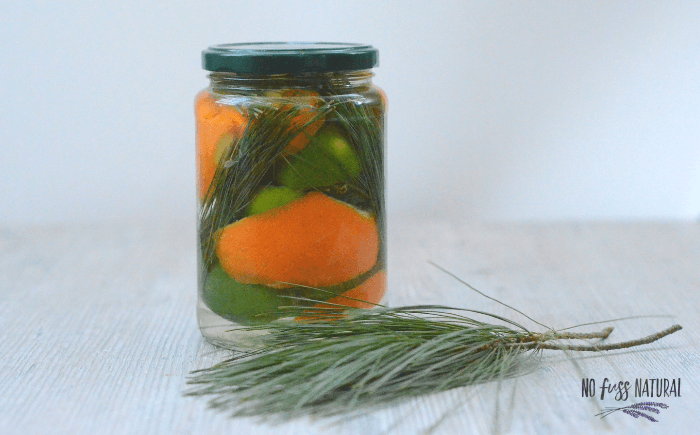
(288, 57)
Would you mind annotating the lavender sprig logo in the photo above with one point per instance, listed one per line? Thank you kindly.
(636, 410)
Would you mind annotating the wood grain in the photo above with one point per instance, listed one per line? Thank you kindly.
(99, 332)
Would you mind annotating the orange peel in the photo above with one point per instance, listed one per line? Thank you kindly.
(303, 121)
(217, 125)
(313, 241)
(368, 294)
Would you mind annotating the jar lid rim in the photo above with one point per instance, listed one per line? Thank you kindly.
(288, 57)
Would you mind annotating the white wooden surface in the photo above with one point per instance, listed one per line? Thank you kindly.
(98, 331)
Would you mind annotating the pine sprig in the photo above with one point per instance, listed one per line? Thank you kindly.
(375, 356)
(340, 361)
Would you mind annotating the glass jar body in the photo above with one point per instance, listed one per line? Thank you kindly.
(291, 199)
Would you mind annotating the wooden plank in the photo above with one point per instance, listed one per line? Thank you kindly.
(99, 330)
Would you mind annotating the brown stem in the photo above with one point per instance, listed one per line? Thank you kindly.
(600, 347)
(530, 341)
(541, 338)
(605, 333)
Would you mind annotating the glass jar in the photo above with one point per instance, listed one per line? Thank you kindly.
(290, 152)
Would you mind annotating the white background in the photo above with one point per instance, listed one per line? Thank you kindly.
(498, 110)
